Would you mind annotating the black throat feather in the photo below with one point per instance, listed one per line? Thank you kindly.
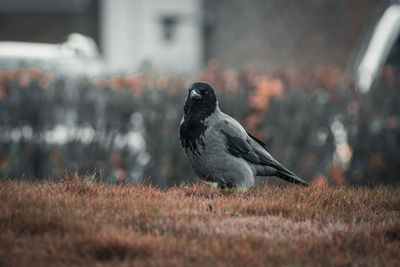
(193, 127)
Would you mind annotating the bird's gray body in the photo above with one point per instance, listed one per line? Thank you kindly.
(213, 162)
(223, 152)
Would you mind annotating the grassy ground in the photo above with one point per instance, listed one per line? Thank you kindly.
(75, 223)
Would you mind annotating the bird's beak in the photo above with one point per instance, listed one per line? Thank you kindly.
(194, 95)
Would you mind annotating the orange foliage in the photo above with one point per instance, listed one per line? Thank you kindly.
(3, 92)
(56, 156)
(120, 174)
(377, 162)
(308, 159)
(226, 80)
(253, 120)
(136, 84)
(336, 174)
(24, 78)
(101, 82)
(3, 161)
(34, 73)
(115, 159)
(264, 91)
(45, 80)
(388, 76)
(391, 122)
(118, 83)
(353, 109)
(319, 180)
(164, 82)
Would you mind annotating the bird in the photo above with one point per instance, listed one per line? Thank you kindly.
(219, 149)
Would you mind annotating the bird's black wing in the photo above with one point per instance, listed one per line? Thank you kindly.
(242, 148)
(261, 143)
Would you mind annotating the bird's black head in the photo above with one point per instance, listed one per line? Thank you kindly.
(201, 101)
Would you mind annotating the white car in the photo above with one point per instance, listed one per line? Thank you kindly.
(374, 47)
(77, 56)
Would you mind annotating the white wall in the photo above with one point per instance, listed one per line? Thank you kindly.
(132, 32)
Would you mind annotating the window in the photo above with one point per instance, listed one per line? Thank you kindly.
(169, 24)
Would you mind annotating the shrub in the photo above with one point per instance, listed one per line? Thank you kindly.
(125, 128)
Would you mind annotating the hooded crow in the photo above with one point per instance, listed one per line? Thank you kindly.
(219, 149)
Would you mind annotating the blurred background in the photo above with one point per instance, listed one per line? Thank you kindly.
(98, 86)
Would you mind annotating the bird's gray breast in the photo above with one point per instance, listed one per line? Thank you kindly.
(211, 160)
(199, 147)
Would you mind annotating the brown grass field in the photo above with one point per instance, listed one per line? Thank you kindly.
(78, 223)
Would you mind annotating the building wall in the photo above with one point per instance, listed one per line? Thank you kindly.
(47, 21)
(165, 36)
(289, 34)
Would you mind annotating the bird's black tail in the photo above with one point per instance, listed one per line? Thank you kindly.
(289, 176)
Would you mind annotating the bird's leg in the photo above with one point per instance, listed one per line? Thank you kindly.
(227, 188)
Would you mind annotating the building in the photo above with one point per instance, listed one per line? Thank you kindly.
(180, 36)
(157, 34)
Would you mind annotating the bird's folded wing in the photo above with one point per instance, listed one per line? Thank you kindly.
(242, 148)
(242, 144)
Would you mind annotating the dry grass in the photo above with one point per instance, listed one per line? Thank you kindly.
(76, 223)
